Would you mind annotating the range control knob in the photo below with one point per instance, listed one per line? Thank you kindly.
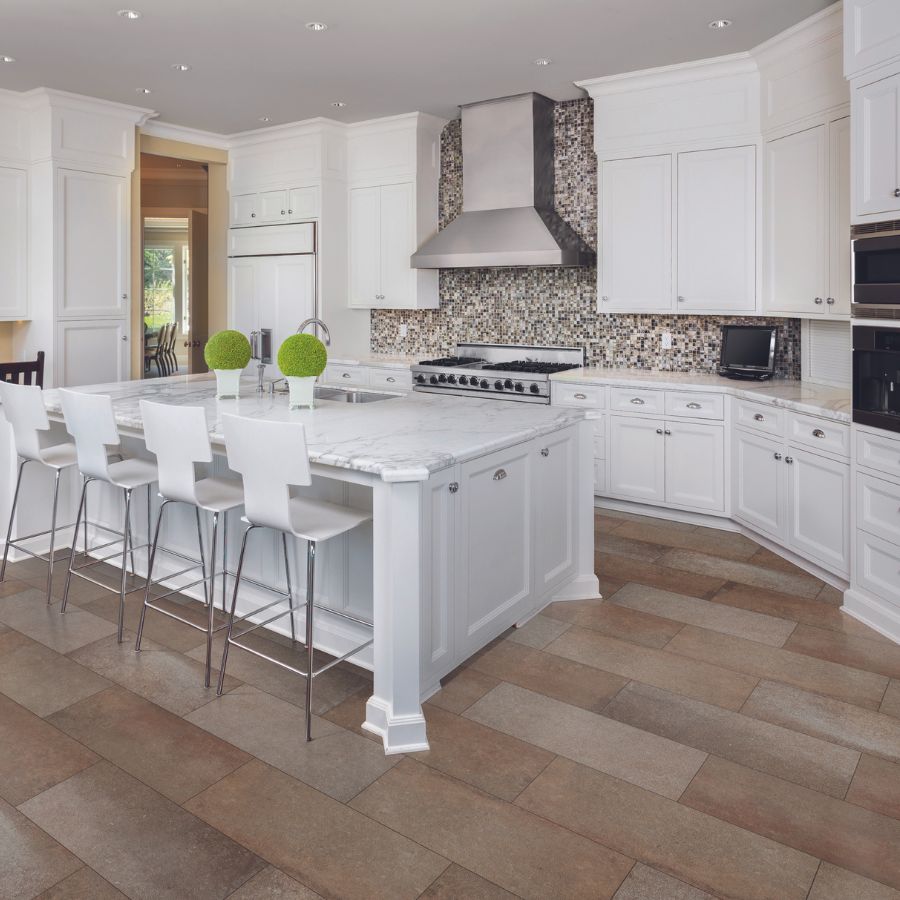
(451, 379)
(485, 384)
(520, 387)
(442, 379)
(420, 379)
(534, 389)
(508, 384)
(433, 379)
(498, 385)
(463, 379)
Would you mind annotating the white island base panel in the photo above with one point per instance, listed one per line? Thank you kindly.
(450, 560)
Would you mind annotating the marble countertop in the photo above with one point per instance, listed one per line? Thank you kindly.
(406, 438)
(375, 359)
(802, 396)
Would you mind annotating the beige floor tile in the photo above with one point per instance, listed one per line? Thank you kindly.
(461, 689)
(85, 884)
(336, 761)
(797, 669)
(616, 621)
(335, 850)
(666, 524)
(771, 560)
(714, 616)
(11, 585)
(140, 842)
(833, 883)
(824, 717)
(167, 678)
(549, 674)
(838, 832)
(30, 860)
(41, 679)
(890, 703)
(728, 544)
(614, 542)
(33, 754)
(457, 883)
(769, 748)
(697, 679)
(645, 883)
(703, 851)
(831, 595)
(631, 754)
(351, 714)
(487, 759)
(692, 582)
(802, 585)
(273, 884)
(857, 652)
(172, 756)
(506, 845)
(538, 632)
(876, 785)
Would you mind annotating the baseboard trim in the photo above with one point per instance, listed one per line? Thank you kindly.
(878, 614)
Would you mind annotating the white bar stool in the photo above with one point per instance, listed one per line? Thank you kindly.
(90, 421)
(23, 406)
(271, 457)
(179, 436)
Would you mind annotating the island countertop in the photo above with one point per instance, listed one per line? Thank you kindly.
(406, 438)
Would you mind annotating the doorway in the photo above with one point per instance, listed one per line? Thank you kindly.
(174, 253)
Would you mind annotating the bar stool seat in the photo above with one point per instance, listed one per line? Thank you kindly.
(319, 520)
(131, 473)
(218, 494)
(59, 456)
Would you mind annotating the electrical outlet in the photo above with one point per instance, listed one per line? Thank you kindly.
(404, 330)
(667, 340)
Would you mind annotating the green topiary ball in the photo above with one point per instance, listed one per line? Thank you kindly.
(302, 356)
(227, 350)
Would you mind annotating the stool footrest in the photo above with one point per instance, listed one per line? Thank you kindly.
(172, 615)
(315, 673)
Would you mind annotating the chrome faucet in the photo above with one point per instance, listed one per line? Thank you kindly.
(318, 322)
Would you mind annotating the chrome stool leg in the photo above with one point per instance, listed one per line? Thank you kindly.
(310, 668)
(151, 559)
(224, 560)
(82, 507)
(287, 575)
(206, 593)
(211, 606)
(12, 518)
(126, 531)
(53, 538)
(237, 583)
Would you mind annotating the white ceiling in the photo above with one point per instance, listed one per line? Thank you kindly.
(252, 58)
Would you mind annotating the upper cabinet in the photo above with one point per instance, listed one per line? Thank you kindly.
(871, 34)
(393, 169)
(13, 243)
(876, 149)
(275, 207)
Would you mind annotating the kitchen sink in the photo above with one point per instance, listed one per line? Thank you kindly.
(344, 396)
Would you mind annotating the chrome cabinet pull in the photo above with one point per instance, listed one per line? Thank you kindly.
(282, 212)
(500, 474)
(252, 215)
(390, 379)
(693, 406)
(667, 432)
(659, 431)
(453, 486)
(580, 396)
(759, 417)
(637, 401)
(345, 375)
(778, 456)
(818, 433)
(290, 212)
(789, 460)
(897, 192)
(818, 301)
(545, 451)
(830, 301)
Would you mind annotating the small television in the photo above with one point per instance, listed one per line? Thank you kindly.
(748, 351)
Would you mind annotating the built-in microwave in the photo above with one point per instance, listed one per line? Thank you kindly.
(876, 376)
(876, 270)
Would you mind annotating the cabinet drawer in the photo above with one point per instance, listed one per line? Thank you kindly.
(878, 566)
(819, 434)
(878, 452)
(587, 395)
(391, 379)
(637, 401)
(878, 507)
(759, 417)
(698, 406)
(346, 375)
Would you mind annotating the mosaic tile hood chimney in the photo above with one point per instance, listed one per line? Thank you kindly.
(508, 217)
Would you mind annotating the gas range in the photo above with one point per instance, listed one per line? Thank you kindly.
(503, 371)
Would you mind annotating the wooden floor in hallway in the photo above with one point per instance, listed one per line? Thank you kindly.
(714, 727)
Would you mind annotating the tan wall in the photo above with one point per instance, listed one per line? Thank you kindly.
(155, 195)
(6, 341)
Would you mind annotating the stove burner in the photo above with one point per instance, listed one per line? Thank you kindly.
(537, 368)
(452, 361)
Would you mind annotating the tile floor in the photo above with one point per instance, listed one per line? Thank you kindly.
(716, 727)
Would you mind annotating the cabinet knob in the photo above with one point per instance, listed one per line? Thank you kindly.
(818, 301)
(290, 212)
(124, 337)
(681, 299)
(545, 451)
(778, 456)
(282, 212)
(667, 432)
(659, 431)
(252, 215)
(818, 433)
(789, 460)
(454, 487)
(500, 474)
(758, 417)
(830, 301)
(897, 192)
(637, 401)
(124, 296)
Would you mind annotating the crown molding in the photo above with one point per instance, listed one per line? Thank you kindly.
(170, 132)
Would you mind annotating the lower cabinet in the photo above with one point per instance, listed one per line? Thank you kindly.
(759, 488)
(637, 459)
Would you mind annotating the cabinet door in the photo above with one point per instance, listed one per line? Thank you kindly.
(273, 206)
(841, 258)
(759, 474)
(876, 116)
(92, 257)
(288, 296)
(92, 351)
(695, 466)
(13, 243)
(797, 222)
(398, 238)
(820, 509)
(637, 459)
(365, 246)
(303, 203)
(494, 544)
(555, 494)
(243, 287)
(716, 202)
(871, 34)
(245, 209)
(636, 234)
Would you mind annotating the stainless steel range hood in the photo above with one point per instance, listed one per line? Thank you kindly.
(508, 217)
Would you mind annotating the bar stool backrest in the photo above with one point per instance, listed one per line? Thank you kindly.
(270, 457)
(90, 421)
(23, 406)
(179, 436)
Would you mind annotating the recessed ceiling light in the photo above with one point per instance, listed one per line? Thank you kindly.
(181, 67)
(338, 104)
(142, 90)
(129, 13)
(543, 61)
(265, 119)
(718, 24)
(316, 26)
(7, 59)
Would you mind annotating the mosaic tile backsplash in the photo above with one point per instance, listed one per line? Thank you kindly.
(557, 305)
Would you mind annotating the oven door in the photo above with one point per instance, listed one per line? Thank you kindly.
(876, 377)
(876, 269)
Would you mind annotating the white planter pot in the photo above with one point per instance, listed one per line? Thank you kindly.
(301, 391)
(228, 383)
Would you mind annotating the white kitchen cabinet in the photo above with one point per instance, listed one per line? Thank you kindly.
(275, 207)
(840, 291)
(92, 224)
(876, 149)
(635, 219)
(13, 243)
(398, 243)
(637, 459)
(365, 245)
(759, 483)
(91, 351)
(244, 209)
(695, 465)
(716, 235)
(871, 34)
(555, 492)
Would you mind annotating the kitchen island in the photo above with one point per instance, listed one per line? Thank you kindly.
(482, 514)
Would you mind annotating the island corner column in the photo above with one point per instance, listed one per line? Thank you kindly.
(394, 710)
